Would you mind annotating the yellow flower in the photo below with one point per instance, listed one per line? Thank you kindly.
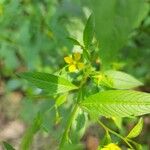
(74, 62)
(111, 146)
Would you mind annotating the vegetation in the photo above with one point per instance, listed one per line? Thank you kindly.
(85, 63)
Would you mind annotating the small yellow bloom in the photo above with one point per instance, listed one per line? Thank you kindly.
(74, 62)
(72, 68)
(68, 60)
(111, 146)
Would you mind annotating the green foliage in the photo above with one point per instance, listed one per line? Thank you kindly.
(88, 33)
(109, 103)
(136, 130)
(48, 82)
(119, 103)
(106, 140)
(33, 31)
(137, 52)
(8, 146)
(72, 147)
(121, 80)
(74, 41)
(61, 99)
(118, 121)
(114, 23)
(69, 101)
(28, 137)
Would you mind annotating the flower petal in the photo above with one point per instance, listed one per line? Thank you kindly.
(68, 60)
(77, 56)
(72, 68)
(80, 65)
(111, 146)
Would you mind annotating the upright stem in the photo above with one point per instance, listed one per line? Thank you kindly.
(69, 123)
(72, 115)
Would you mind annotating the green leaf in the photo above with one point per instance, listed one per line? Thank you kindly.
(74, 41)
(117, 103)
(31, 131)
(79, 126)
(48, 82)
(118, 122)
(61, 99)
(89, 31)
(136, 130)
(106, 140)
(8, 146)
(122, 80)
(103, 80)
(139, 146)
(114, 22)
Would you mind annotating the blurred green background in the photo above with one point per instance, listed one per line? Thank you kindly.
(33, 36)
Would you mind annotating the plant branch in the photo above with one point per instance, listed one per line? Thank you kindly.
(69, 123)
(72, 116)
(115, 133)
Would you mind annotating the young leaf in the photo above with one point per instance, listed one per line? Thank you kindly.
(28, 137)
(7, 146)
(122, 80)
(136, 130)
(118, 122)
(88, 31)
(61, 99)
(117, 103)
(48, 82)
(74, 41)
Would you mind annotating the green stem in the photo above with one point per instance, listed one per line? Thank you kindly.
(133, 142)
(72, 116)
(113, 132)
(69, 123)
